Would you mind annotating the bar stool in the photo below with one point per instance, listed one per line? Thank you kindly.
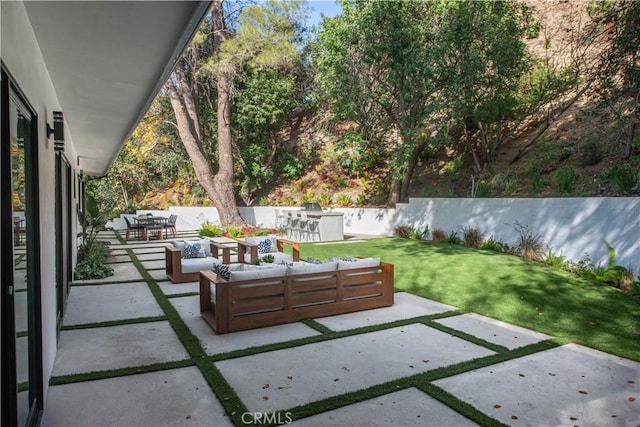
(292, 230)
(280, 219)
(302, 227)
(313, 229)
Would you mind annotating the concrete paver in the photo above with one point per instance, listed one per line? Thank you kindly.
(166, 398)
(286, 378)
(121, 272)
(568, 385)
(103, 303)
(405, 306)
(114, 347)
(154, 265)
(409, 407)
(169, 288)
(493, 331)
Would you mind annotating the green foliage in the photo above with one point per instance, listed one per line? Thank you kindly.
(506, 183)
(623, 177)
(529, 245)
(308, 196)
(535, 184)
(235, 232)
(494, 245)
(210, 230)
(564, 178)
(92, 268)
(356, 153)
(453, 238)
(398, 67)
(361, 199)
(292, 167)
(472, 237)
(325, 199)
(590, 153)
(611, 274)
(555, 260)
(420, 234)
(268, 258)
(344, 200)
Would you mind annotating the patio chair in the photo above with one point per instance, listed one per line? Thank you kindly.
(134, 227)
(170, 225)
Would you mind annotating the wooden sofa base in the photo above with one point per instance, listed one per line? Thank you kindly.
(250, 304)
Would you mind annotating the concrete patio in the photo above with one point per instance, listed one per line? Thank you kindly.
(134, 352)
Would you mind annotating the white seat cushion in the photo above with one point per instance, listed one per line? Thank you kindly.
(193, 265)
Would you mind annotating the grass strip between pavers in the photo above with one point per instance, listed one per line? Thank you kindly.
(111, 282)
(183, 294)
(114, 323)
(122, 372)
(226, 395)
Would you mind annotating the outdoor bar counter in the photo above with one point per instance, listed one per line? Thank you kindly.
(331, 224)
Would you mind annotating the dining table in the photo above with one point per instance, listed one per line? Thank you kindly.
(151, 223)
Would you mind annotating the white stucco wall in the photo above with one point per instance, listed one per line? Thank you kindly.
(572, 227)
(24, 61)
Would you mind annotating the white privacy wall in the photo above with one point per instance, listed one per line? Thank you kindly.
(570, 226)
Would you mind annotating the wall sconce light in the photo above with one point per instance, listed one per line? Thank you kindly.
(57, 131)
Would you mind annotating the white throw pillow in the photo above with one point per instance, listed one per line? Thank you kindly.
(193, 249)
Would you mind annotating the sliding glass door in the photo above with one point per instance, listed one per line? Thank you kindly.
(21, 337)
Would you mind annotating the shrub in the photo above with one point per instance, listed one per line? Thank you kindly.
(555, 260)
(361, 199)
(210, 230)
(494, 245)
(289, 201)
(307, 197)
(235, 232)
(535, 182)
(344, 200)
(483, 190)
(438, 235)
(529, 245)
(507, 183)
(472, 237)
(403, 231)
(453, 238)
(420, 234)
(611, 274)
(565, 179)
(590, 153)
(325, 199)
(623, 178)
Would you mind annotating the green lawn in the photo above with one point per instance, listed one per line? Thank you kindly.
(507, 288)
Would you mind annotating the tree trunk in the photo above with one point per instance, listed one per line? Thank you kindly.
(184, 101)
(223, 181)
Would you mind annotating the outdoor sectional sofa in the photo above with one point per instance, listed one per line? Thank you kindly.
(181, 270)
(284, 294)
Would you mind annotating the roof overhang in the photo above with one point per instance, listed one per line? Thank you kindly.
(107, 61)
